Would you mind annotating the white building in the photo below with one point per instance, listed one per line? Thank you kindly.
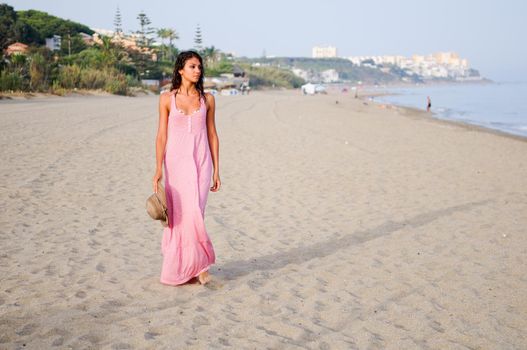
(324, 52)
(105, 32)
(329, 76)
(437, 65)
(378, 60)
(53, 43)
(302, 73)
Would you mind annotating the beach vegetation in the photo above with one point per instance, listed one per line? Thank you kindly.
(10, 81)
(272, 77)
(215, 69)
(75, 58)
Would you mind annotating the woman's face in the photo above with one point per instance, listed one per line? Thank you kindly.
(192, 70)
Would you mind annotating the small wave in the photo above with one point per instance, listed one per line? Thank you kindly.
(496, 106)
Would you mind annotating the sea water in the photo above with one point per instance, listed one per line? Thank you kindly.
(501, 106)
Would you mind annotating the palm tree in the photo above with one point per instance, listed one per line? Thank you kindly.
(107, 51)
(112, 52)
(163, 33)
(173, 35)
(210, 54)
(170, 34)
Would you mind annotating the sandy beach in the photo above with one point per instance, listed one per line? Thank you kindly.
(342, 225)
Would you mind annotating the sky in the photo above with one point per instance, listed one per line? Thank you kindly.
(489, 33)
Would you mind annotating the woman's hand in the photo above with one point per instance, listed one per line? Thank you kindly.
(216, 183)
(158, 176)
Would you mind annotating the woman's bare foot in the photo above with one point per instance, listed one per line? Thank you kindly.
(204, 277)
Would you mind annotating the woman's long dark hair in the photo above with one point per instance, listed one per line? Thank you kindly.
(180, 63)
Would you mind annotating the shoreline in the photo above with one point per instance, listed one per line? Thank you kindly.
(365, 96)
(435, 117)
(472, 127)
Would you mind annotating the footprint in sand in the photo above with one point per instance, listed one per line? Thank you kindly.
(151, 335)
(213, 285)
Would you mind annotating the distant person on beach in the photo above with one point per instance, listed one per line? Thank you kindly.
(187, 149)
(244, 87)
(428, 103)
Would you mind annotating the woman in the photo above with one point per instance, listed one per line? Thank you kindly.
(187, 144)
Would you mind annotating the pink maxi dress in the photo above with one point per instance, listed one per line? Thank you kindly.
(186, 247)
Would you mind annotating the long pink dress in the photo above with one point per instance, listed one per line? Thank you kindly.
(186, 247)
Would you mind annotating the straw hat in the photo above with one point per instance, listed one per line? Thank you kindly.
(156, 205)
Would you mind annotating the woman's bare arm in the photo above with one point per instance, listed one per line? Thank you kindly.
(214, 143)
(161, 139)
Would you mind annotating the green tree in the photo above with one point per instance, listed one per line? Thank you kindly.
(145, 33)
(8, 19)
(47, 25)
(142, 58)
(18, 61)
(15, 76)
(110, 52)
(198, 40)
(164, 33)
(210, 55)
(72, 44)
(38, 72)
(171, 35)
(117, 22)
(26, 33)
